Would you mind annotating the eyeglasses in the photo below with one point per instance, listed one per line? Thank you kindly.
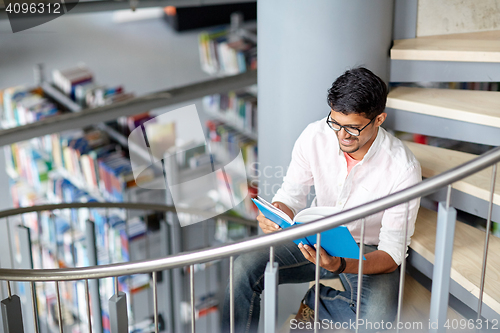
(351, 130)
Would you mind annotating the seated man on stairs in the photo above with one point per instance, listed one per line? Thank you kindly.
(350, 160)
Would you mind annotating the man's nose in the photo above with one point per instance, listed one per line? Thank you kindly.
(344, 134)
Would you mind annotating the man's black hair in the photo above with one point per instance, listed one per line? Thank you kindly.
(359, 91)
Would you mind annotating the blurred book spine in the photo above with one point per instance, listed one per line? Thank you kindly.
(222, 53)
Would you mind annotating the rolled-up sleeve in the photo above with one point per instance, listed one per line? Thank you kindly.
(391, 237)
(298, 180)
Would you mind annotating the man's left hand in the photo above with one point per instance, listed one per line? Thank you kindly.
(326, 261)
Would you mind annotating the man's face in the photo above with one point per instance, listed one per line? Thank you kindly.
(356, 145)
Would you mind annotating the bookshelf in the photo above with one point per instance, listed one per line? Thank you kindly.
(78, 166)
(71, 166)
(230, 50)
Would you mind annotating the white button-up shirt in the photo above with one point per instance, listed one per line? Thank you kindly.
(388, 166)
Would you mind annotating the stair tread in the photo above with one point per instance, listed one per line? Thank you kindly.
(474, 106)
(469, 47)
(417, 303)
(467, 256)
(435, 160)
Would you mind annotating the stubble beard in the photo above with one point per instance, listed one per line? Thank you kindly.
(352, 150)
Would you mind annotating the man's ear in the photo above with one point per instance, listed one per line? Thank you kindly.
(380, 119)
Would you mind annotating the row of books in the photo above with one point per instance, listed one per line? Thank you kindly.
(489, 86)
(485, 86)
(68, 79)
(78, 84)
(23, 105)
(204, 305)
(225, 140)
(118, 240)
(225, 144)
(225, 54)
(87, 158)
(236, 108)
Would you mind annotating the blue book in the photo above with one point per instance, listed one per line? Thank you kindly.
(337, 242)
(278, 217)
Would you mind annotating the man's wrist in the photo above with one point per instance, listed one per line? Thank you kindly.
(342, 266)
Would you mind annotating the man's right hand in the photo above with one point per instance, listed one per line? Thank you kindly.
(269, 226)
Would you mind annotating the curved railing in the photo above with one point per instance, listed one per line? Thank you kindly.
(426, 187)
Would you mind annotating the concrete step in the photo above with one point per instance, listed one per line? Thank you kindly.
(473, 106)
(467, 47)
(467, 256)
(435, 160)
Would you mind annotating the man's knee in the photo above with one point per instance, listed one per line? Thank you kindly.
(381, 308)
(249, 271)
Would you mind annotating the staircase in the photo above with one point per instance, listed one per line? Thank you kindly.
(471, 116)
(416, 305)
(467, 256)
(465, 115)
(466, 47)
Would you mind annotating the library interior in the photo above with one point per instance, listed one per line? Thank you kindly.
(136, 135)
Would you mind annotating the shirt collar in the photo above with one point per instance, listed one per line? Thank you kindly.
(375, 145)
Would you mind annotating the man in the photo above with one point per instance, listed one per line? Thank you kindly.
(350, 160)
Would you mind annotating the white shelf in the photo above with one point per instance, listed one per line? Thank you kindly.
(88, 117)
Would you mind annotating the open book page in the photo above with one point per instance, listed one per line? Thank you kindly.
(337, 242)
(275, 210)
(314, 213)
(277, 216)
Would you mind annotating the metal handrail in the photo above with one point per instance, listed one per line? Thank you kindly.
(122, 205)
(88, 117)
(426, 187)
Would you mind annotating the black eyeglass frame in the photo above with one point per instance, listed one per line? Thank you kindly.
(348, 129)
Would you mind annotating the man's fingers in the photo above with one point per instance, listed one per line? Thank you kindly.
(305, 253)
(267, 225)
(308, 253)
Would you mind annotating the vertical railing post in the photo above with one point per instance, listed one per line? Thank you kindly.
(193, 299)
(118, 317)
(11, 313)
(360, 274)
(59, 308)
(402, 269)
(155, 301)
(316, 282)
(270, 293)
(486, 241)
(34, 307)
(94, 284)
(231, 294)
(87, 302)
(445, 233)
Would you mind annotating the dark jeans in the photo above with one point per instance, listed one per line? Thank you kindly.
(378, 299)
